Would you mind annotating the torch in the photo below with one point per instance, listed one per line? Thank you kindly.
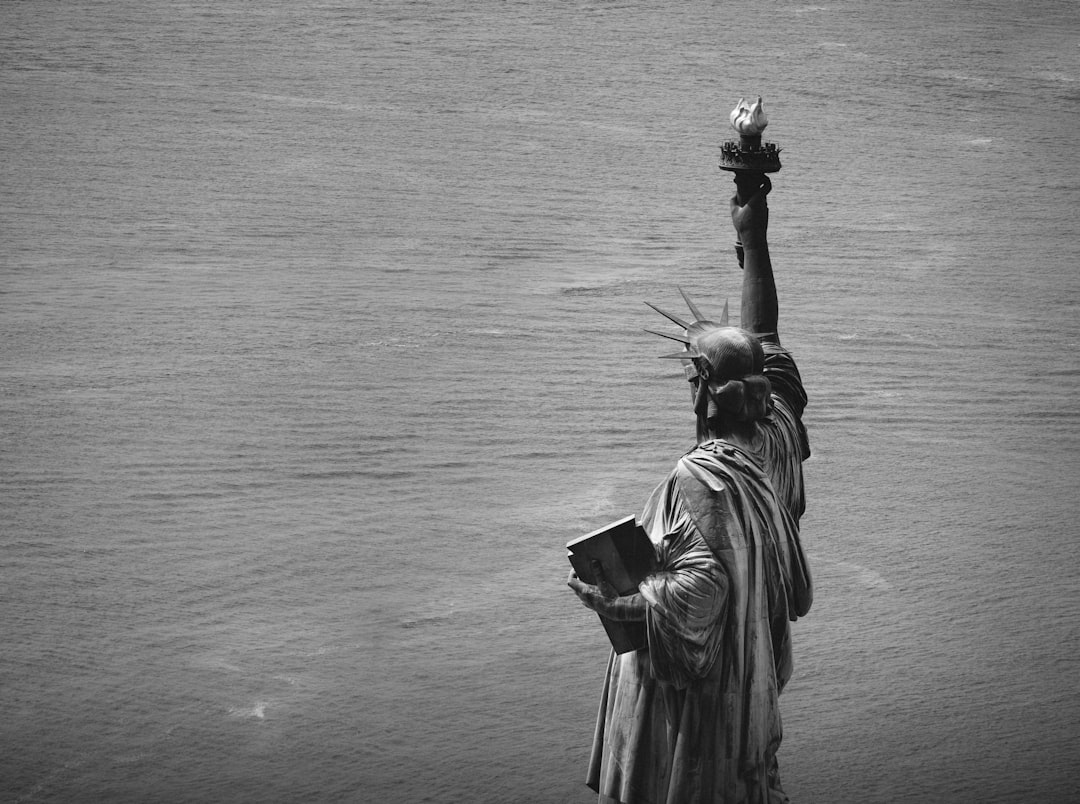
(749, 158)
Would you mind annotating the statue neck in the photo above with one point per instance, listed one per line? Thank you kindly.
(741, 434)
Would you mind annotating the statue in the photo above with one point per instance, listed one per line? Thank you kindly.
(694, 716)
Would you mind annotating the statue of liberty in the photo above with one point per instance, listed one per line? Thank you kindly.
(695, 716)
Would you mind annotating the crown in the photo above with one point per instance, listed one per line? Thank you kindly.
(703, 339)
(692, 330)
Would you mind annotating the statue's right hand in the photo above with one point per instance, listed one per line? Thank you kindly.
(751, 219)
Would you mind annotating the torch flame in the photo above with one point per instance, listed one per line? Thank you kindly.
(749, 119)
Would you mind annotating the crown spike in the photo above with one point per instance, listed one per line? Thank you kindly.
(687, 355)
(680, 338)
(669, 316)
(693, 307)
(723, 315)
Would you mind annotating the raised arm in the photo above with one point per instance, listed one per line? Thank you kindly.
(750, 214)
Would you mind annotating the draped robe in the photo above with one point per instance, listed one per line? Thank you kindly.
(695, 717)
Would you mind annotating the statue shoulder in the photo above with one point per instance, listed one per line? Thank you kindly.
(710, 464)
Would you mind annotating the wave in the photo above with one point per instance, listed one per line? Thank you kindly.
(257, 711)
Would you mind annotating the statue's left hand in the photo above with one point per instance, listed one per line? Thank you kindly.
(590, 595)
(627, 607)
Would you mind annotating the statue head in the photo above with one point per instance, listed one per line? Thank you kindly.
(724, 365)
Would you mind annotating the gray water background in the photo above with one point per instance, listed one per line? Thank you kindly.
(322, 333)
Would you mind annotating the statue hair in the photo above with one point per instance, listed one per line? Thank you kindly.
(731, 388)
(743, 400)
